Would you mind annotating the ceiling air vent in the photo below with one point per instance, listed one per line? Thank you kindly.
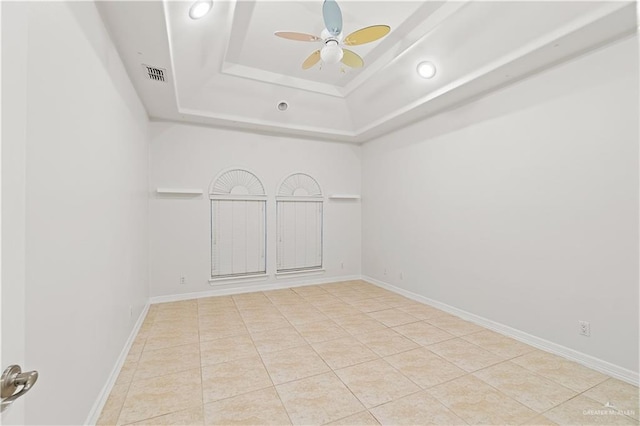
(154, 73)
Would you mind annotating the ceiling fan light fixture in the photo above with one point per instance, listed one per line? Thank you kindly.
(200, 8)
(331, 53)
(426, 69)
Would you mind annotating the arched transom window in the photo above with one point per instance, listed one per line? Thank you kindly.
(238, 225)
(299, 209)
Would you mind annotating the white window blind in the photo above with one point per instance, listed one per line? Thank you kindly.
(238, 225)
(238, 237)
(299, 235)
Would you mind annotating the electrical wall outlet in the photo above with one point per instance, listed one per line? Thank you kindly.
(341, 265)
(183, 280)
(585, 328)
(385, 271)
(401, 276)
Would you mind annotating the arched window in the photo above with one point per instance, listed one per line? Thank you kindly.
(299, 218)
(238, 225)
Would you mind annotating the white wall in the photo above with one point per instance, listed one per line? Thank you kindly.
(85, 207)
(521, 207)
(13, 151)
(185, 156)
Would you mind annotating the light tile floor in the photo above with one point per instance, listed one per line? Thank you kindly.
(346, 353)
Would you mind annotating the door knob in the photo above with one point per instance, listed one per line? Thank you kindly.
(12, 378)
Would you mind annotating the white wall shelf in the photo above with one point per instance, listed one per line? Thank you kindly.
(344, 197)
(179, 191)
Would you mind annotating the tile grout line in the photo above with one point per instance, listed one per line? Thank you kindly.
(620, 412)
(553, 380)
(367, 409)
(307, 299)
(200, 356)
(237, 308)
(271, 378)
(333, 372)
(152, 323)
(124, 400)
(355, 414)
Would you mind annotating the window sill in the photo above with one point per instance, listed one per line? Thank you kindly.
(242, 278)
(289, 274)
(344, 197)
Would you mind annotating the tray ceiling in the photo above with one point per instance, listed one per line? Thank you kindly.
(228, 69)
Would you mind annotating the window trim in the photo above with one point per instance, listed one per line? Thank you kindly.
(239, 278)
(216, 195)
(300, 273)
(237, 197)
(317, 197)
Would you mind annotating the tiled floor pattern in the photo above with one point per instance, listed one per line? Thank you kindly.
(347, 353)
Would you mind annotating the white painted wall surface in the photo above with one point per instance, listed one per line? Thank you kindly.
(185, 156)
(521, 207)
(13, 152)
(86, 209)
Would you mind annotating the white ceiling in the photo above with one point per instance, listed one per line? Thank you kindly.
(228, 69)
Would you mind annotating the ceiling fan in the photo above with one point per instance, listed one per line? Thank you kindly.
(331, 36)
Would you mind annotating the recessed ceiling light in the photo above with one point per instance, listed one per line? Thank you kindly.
(282, 106)
(426, 69)
(200, 8)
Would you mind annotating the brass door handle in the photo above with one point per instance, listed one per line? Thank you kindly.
(12, 378)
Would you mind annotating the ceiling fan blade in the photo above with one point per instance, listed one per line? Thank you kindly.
(352, 59)
(332, 17)
(297, 36)
(313, 59)
(366, 35)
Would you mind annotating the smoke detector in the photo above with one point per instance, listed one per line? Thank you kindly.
(282, 106)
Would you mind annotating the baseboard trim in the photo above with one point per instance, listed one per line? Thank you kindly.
(581, 358)
(94, 414)
(294, 282)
